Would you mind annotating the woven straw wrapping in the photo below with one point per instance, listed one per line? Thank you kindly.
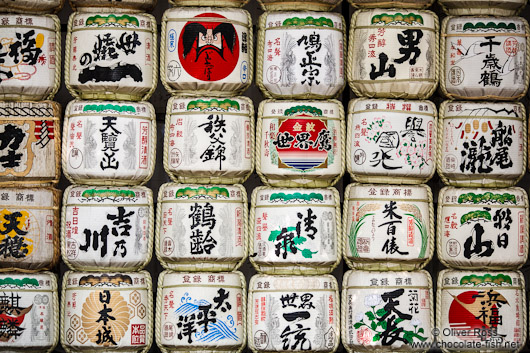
(31, 6)
(359, 65)
(128, 306)
(514, 84)
(43, 79)
(217, 3)
(509, 114)
(409, 156)
(42, 149)
(289, 80)
(188, 146)
(47, 315)
(164, 283)
(187, 82)
(346, 313)
(407, 210)
(42, 239)
(442, 311)
(137, 254)
(88, 170)
(131, 90)
(304, 5)
(408, 4)
(295, 265)
(181, 257)
(482, 7)
(512, 256)
(327, 310)
(285, 177)
(128, 6)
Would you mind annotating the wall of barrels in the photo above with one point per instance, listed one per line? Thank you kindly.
(264, 176)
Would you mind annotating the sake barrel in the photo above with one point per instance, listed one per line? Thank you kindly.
(29, 223)
(206, 51)
(201, 227)
(300, 143)
(293, 314)
(482, 144)
(484, 58)
(218, 3)
(30, 151)
(481, 311)
(409, 4)
(388, 227)
(202, 311)
(482, 228)
(301, 54)
(302, 5)
(129, 6)
(107, 228)
(109, 142)
(392, 53)
(391, 140)
(30, 64)
(107, 311)
(30, 312)
(209, 140)
(387, 311)
(111, 56)
(295, 231)
(30, 6)
(482, 7)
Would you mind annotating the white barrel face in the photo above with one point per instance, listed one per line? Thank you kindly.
(30, 65)
(105, 311)
(112, 56)
(499, 46)
(202, 311)
(483, 228)
(301, 54)
(478, 307)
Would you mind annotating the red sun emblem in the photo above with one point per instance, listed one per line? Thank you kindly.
(208, 50)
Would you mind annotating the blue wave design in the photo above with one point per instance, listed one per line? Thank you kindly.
(218, 331)
(190, 308)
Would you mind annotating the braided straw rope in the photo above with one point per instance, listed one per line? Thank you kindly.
(428, 85)
(501, 181)
(158, 323)
(149, 330)
(304, 181)
(207, 92)
(443, 76)
(201, 177)
(344, 309)
(262, 25)
(250, 307)
(464, 8)
(381, 178)
(303, 5)
(217, 3)
(131, 6)
(440, 250)
(98, 268)
(390, 264)
(411, 4)
(440, 313)
(30, 7)
(111, 181)
(56, 195)
(17, 181)
(294, 268)
(111, 94)
(194, 265)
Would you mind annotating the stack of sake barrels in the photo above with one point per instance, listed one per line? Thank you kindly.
(295, 222)
(482, 149)
(201, 235)
(388, 229)
(108, 153)
(30, 149)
